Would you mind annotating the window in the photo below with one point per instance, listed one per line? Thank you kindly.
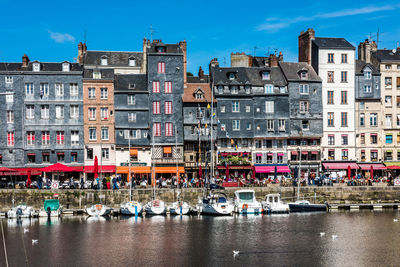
(156, 107)
(367, 75)
(235, 125)
(330, 97)
(223, 128)
(344, 58)
(131, 100)
(44, 111)
(374, 138)
(345, 139)
(331, 76)
(305, 124)
(331, 119)
(234, 90)
(343, 97)
(388, 155)
(247, 88)
(30, 112)
(344, 77)
(60, 137)
(104, 113)
(168, 107)
(10, 116)
(45, 157)
(74, 111)
(231, 76)
(132, 117)
(362, 119)
(268, 89)
(388, 121)
(373, 119)
(60, 156)
(89, 153)
(65, 67)
(235, 106)
(367, 89)
(59, 112)
(345, 154)
(362, 105)
(59, 89)
(92, 134)
(303, 75)
(258, 158)
(92, 113)
(168, 88)
(248, 126)
(269, 106)
(73, 89)
(398, 120)
(331, 58)
(74, 138)
(388, 82)
(374, 155)
(362, 139)
(31, 157)
(45, 138)
(331, 140)
(281, 125)
(161, 67)
(222, 109)
(10, 138)
(30, 138)
(29, 89)
(389, 139)
(104, 61)
(220, 89)
(157, 129)
(104, 133)
(105, 153)
(169, 129)
(343, 119)
(44, 89)
(248, 108)
(304, 106)
(388, 101)
(303, 89)
(96, 75)
(265, 75)
(132, 62)
(104, 93)
(9, 97)
(36, 67)
(156, 87)
(398, 83)
(74, 156)
(9, 79)
(270, 125)
(388, 66)
(92, 93)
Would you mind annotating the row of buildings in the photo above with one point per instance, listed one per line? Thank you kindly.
(328, 111)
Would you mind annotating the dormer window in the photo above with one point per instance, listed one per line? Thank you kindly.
(132, 62)
(268, 89)
(231, 76)
(248, 89)
(303, 75)
(234, 90)
(65, 67)
(367, 75)
(160, 49)
(36, 66)
(266, 75)
(104, 61)
(96, 75)
(199, 94)
(132, 86)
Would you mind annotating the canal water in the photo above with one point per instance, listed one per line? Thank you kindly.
(363, 239)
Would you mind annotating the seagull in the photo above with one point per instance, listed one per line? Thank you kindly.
(235, 253)
(34, 241)
(395, 220)
(322, 234)
(334, 237)
(26, 230)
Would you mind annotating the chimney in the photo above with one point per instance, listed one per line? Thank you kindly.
(240, 60)
(183, 46)
(280, 57)
(214, 62)
(81, 52)
(273, 61)
(201, 74)
(25, 61)
(305, 40)
(364, 50)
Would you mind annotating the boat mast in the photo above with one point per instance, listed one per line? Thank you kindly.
(153, 178)
(212, 129)
(130, 175)
(176, 155)
(299, 173)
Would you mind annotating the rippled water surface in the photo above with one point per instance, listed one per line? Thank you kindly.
(363, 239)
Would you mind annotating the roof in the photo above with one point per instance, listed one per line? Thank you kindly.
(192, 88)
(132, 82)
(105, 73)
(333, 43)
(196, 79)
(169, 48)
(360, 65)
(251, 75)
(44, 66)
(114, 58)
(292, 70)
(385, 55)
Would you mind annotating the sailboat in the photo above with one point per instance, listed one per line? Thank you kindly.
(180, 207)
(215, 203)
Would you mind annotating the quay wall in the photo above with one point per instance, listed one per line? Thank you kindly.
(78, 199)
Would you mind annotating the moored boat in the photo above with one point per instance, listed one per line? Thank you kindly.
(98, 210)
(246, 203)
(180, 208)
(306, 206)
(215, 203)
(273, 204)
(155, 207)
(21, 211)
(51, 208)
(131, 208)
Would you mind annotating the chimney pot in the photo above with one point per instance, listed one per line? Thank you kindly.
(25, 61)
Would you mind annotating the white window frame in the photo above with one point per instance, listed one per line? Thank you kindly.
(268, 89)
(266, 76)
(74, 111)
(269, 106)
(367, 88)
(92, 92)
(92, 134)
(92, 113)
(65, 67)
(304, 89)
(104, 133)
(102, 95)
(132, 116)
(270, 125)
(105, 153)
(29, 89)
(8, 79)
(235, 106)
(248, 108)
(36, 66)
(74, 138)
(131, 100)
(281, 125)
(235, 125)
(223, 109)
(44, 89)
(45, 112)
(73, 89)
(30, 112)
(10, 116)
(104, 113)
(9, 97)
(59, 89)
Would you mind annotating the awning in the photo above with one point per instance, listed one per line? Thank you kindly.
(392, 164)
(280, 154)
(304, 152)
(270, 154)
(340, 165)
(101, 169)
(169, 169)
(271, 169)
(259, 154)
(77, 168)
(134, 152)
(239, 167)
(294, 152)
(31, 154)
(314, 152)
(167, 150)
(375, 166)
(134, 170)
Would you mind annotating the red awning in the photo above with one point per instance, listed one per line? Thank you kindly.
(340, 165)
(77, 168)
(102, 169)
(259, 154)
(375, 166)
(271, 169)
(294, 152)
(280, 154)
(314, 152)
(270, 154)
(58, 167)
(304, 152)
(283, 169)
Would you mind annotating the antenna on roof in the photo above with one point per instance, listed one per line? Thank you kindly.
(255, 49)
(84, 36)
(151, 33)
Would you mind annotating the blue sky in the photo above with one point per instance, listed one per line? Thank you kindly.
(51, 30)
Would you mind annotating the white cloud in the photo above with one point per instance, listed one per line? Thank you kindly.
(61, 37)
(276, 24)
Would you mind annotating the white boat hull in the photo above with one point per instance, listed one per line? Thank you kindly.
(131, 208)
(21, 211)
(179, 208)
(216, 209)
(251, 208)
(156, 207)
(98, 210)
(276, 208)
(53, 213)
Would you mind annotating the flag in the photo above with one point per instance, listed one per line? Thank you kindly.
(208, 106)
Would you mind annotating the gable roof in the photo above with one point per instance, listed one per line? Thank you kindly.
(333, 43)
(122, 82)
(385, 55)
(114, 58)
(44, 66)
(105, 73)
(292, 69)
(192, 88)
(360, 65)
